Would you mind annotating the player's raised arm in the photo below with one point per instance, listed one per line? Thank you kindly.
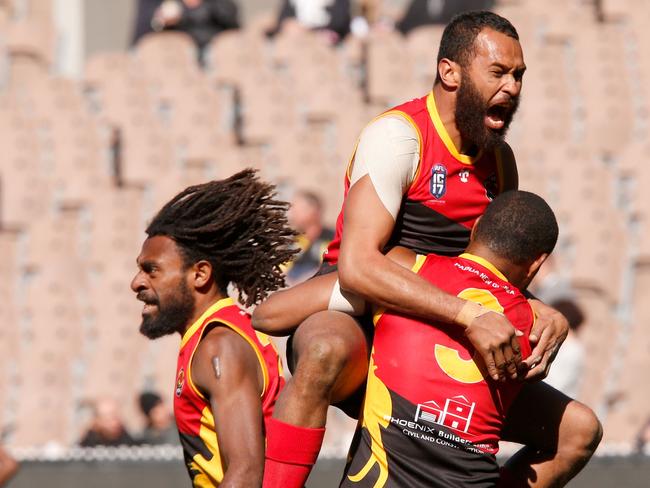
(366, 271)
(226, 370)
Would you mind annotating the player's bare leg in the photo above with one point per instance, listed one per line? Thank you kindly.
(331, 362)
(560, 435)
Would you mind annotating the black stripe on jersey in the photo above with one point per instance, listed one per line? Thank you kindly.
(427, 455)
(426, 231)
(193, 445)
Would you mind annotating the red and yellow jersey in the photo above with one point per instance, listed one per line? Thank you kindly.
(448, 193)
(432, 416)
(192, 410)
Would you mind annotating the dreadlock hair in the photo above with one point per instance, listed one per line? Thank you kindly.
(238, 226)
(459, 36)
(519, 226)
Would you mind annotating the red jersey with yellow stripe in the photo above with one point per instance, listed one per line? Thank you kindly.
(431, 416)
(192, 410)
(448, 193)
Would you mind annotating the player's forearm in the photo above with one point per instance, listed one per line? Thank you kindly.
(383, 282)
(279, 315)
(243, 476)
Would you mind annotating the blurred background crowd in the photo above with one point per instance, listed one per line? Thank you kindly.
(107, 109)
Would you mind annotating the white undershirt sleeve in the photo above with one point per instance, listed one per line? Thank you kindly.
(389, 152)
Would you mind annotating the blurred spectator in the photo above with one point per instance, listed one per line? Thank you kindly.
(425, 12)
(160, 428)
(305, 215)
(8, 467)
(107, 428)
(643, 438)
(201, 19)
(566, 371)
(331, 17)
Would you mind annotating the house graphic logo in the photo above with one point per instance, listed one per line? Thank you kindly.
(456, 413)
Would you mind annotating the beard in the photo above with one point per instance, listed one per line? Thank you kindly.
(471, 111)
(171, 317)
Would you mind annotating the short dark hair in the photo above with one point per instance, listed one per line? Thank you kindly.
(518, 226)
(458, 38)
(235, 224)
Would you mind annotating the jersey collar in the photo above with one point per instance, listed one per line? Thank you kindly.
(444, 135)
(485, 263)
(215, 307)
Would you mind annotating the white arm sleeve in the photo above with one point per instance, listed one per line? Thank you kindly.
(388, 151)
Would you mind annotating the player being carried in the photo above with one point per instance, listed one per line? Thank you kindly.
(228, 376)
(421, 175)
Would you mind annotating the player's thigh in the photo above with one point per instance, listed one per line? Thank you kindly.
(536, 415)
(335, 343)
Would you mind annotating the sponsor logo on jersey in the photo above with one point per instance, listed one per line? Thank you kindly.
(464, 176)
(455, 413)
(180, 382)
(438, 185)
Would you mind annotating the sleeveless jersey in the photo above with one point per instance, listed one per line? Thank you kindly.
(192, 409)
(448, 193)
(431, 416)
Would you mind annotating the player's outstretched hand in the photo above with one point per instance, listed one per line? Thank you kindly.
(495, 339)
(546, 337)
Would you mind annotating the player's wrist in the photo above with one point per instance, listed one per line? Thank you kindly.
(469, 312)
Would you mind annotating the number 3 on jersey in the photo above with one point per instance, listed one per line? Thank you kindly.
(449, 360)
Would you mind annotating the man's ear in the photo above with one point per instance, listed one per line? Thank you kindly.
(534, 267)
(449, 73)
(201, 273)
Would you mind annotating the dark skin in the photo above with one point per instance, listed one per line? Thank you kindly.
(331, 347)
(561, 429)
(234, 391)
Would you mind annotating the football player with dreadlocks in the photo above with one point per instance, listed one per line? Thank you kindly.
(210, 236)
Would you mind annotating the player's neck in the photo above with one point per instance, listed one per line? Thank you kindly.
(202, 302)
(515, 274)
(446, 106)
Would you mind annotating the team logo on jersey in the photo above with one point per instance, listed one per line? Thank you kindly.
(438, 180)
(464, 175)
(180, 381)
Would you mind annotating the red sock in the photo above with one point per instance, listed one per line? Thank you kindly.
(291, 452)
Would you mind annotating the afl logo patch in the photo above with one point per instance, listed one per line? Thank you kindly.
(180, 381)
(438, 180)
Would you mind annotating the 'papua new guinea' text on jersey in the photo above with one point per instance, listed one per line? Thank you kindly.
(192, 409)
(448, 193)
(431, 416)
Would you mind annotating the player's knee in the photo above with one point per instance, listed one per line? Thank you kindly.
(327, 354)
(585, 431)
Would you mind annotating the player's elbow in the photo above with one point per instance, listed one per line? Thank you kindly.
(357, 269)
(350, 277)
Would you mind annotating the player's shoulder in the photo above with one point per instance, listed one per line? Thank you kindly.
(221, 339)
(390, 124)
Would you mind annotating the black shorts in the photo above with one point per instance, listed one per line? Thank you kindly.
(352, 404)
